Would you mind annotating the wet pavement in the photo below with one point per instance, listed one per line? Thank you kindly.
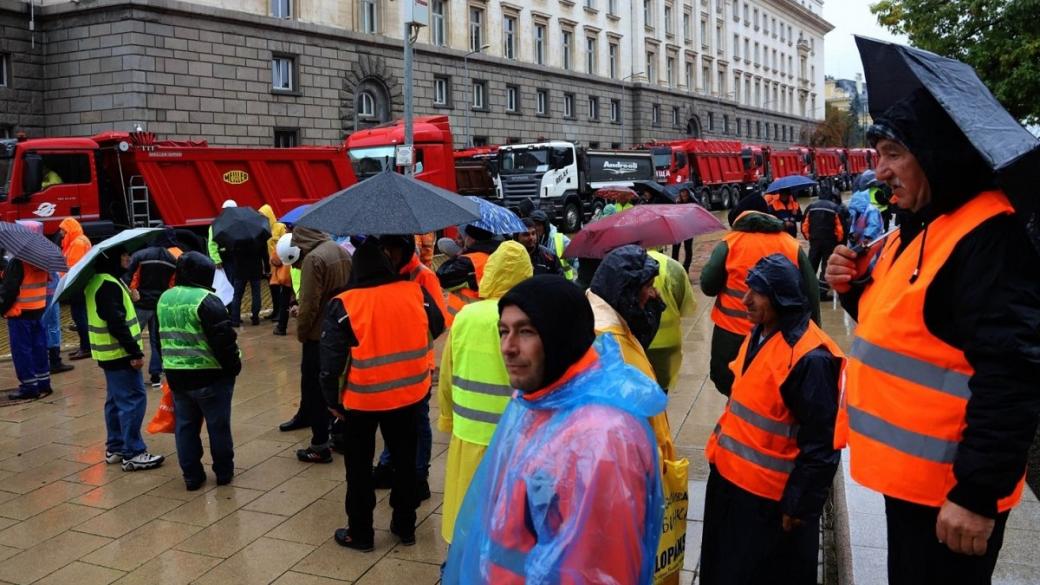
(67, 517)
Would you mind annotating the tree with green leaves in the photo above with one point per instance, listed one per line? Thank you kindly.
(999, 38)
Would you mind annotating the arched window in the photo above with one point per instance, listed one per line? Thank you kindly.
(366, 104)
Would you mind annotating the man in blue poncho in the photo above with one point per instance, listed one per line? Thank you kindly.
(569, 490)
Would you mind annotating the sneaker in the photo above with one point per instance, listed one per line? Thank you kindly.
(312, 455)
(343, 538)
(156, 381)
(111, 457)
(382, 477)
(407, 539)
(143, 461)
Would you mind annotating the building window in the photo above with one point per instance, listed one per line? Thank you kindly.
(612, 7)
(738, 127)
(690, 81)
(651, 69)
(509, 37)
(722, 83)
(479, 95)
(615, 111)
(720, 45)
(704, 33)
(366, 105)
(542, 102)
(286, 137)
(746, 19)
(725, 123)
(711, 121)
(670, 70)
(758, 129)
(736, 47)
(5, 69)
(281, 9)
(757, 47)
(590, 4)
(687, 28)
(282, 74)
(539, 44)
(612, 55)
(480, 141)
(675, 117)
(648, 13)
(369, 16)
(512, 98)
(568, 105)
(655, 115)
(706, 78)
(756, 18)
(476, 28)
(440, 90)
(438, 23)
(668, 28)
(590, 55)
(568, 37)
(736, 88)
(593, 108)
(747, 126)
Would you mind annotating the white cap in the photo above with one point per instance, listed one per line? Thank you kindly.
(229, 203)
(287, 252)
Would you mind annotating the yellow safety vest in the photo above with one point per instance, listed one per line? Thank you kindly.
(568, 271)
(669, 333)
(103, 346)
(480, 386)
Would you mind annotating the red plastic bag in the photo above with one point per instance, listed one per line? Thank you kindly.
(163, 421)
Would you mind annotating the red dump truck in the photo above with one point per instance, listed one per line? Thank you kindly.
(119, 179)
(713, 168)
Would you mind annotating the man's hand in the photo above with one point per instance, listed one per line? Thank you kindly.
(790, 523)
(841, 269)
(137, 363)
(135, 295)
(294, 311)
(962, 530)
(335, 413)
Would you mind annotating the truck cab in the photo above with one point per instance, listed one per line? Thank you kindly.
(374, 150)
(671, 165)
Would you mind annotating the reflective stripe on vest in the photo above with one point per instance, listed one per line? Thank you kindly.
(103, 346)
(480, 384)
(182, 339)
(568, 271)
(32, 293)
(390, 366)
(755, 442)
(745, 249)
(907, 391)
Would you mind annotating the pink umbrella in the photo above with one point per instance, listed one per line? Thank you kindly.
(643, 225)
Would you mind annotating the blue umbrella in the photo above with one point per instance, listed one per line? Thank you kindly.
(294, 216)
(31, 247)
(76, 279)
(497, 219)
(789, 182)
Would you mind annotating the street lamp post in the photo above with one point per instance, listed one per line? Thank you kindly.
(469, 106)
(621, 104)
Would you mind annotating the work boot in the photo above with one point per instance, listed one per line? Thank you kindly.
(80, 354)
(57, 366)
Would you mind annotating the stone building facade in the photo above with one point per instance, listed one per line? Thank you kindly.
(310, 72)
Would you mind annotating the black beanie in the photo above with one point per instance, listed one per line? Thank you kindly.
(561, 314)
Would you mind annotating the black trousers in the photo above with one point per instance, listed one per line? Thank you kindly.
(399, 434)
(282, 315)
(688, 248)
(915, 556)
(725, 345)
(744, 542)
(312, 403)
(819, 252)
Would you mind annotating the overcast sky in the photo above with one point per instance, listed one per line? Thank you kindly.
(849, 17)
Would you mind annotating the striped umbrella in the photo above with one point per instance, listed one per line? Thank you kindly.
(31, 247)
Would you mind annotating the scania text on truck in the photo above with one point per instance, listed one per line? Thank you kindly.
(118, 179)
(562, 179)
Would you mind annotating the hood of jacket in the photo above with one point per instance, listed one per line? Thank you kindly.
(779, 279)
(195, 269)
(758, 222)
(860, 201)
(72, 230)
(266, 211)
(618, 281)
(507, 267)
(167, 239)
(307, 239)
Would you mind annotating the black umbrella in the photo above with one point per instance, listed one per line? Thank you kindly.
(894, 72)
(658, 193)
(31, 247)
(389, 203)
(241, 226)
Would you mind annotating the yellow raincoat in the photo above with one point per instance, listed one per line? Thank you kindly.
(279, 272)
(665, 352)
(506, 267)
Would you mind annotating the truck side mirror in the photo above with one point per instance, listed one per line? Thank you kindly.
(32, 174)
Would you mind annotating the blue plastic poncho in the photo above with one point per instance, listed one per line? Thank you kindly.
(569, 490)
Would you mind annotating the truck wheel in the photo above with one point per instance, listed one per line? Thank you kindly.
(705, 196)
(734, 196)
(722, 196)
(571, 218)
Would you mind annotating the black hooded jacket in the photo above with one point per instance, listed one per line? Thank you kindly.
(371, 268)
(810, 390)
(618, 280)
(196, 270)
(109, 302)
(154, 267)
(984, 301)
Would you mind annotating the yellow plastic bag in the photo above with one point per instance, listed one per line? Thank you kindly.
(671, 550)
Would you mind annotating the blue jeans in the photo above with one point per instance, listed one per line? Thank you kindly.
(29, 354)
(236, 300)
(148, 317)
(78, 308)
(125, 402)
(213, 404)
(425, 442)
(52, 322)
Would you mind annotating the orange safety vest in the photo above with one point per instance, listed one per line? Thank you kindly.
(745, 250)
(755, 444)
(457, 299)
(427, 279)
(907, 390)
(778, 206)
(390, 366)
(32, 295)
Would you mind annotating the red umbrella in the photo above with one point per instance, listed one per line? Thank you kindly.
(643, 225)
(617, 194)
